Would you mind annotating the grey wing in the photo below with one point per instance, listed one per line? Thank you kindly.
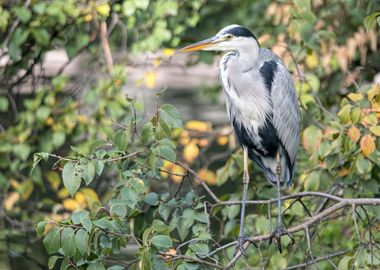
(286, 118)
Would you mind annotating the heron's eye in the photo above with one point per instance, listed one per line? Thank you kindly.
(229, 36)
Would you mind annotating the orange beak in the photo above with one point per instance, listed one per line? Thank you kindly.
(199, 45)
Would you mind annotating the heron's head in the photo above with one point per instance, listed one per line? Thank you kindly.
(230, 38)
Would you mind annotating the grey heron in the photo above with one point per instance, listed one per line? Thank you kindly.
(262, 107)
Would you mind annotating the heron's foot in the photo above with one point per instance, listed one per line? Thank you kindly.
(240, 245)
(276, 235)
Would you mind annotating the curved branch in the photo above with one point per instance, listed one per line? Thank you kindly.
(283, 198)
(309, 222)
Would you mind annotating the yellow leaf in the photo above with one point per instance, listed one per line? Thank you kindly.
(190, 152)
(312, 60)
(198, 125)
(177, 172)
(184, 137)
(150, 79)
(203, 142)
(375, 130)
(157, 62)
(90, 195)
(355, 97)
(54, 179)
(103, 9)
(49, 121)
(10, 201)
(343, 172)
(80, 198)
(166, 168)
(208, 176)
(168, 52)
(222, 140)
(71, 204)
(63, 193)
(367, 145)
(26, 189)
(82, 118)
(354, 134)
(87, 18)
(374, 91)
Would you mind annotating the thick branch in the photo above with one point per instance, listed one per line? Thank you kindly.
(310, 221)
(283, 198)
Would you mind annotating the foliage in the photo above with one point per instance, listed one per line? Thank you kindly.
(98, 177)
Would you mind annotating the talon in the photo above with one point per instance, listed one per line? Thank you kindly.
(277, 233)
(240, 245)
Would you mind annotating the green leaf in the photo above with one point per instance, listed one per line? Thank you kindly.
(116, 267)
(223, 173)
(146, 257)
(363, 165)
(52, 241)
(312, 181)
(147, 133)
(78, 215)
(40, 228)
(344, 263)
(166, 152)
(43, 113)
(162, 242)
(22, 151)
(88, 177)
(119, 209)
(370, 21)
(164, 211)
(96, 266)
(4, 104)
(87, 224)
(121, 140)
(68, 242)
(22, 13)
(99, 166)
(70, 180)
(200, 248)
(59, 138)
(324, 149)
(151, 198)
(344, 114)
(82, 238)
(52, 261)
(277, 262)
(160, 227)
(41, 36)
(171, 115)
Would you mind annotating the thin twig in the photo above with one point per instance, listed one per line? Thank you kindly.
(105, 45)
(318, 259)
(169, 257)
(203, 183)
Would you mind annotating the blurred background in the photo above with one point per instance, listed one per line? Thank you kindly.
(74, 71)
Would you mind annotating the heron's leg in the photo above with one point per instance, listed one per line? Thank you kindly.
(278, 178)
(279, 229)
(241, 239)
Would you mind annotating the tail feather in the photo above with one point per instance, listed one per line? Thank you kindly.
(268, 165)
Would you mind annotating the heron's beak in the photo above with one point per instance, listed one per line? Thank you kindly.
(201, 45)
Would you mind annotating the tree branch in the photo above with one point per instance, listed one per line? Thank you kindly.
(342, 202)
(318, 259)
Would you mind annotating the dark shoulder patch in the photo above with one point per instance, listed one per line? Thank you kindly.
(268, 136)
(267, 71)
(240, 31)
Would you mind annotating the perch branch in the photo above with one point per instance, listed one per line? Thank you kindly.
(342, 202)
